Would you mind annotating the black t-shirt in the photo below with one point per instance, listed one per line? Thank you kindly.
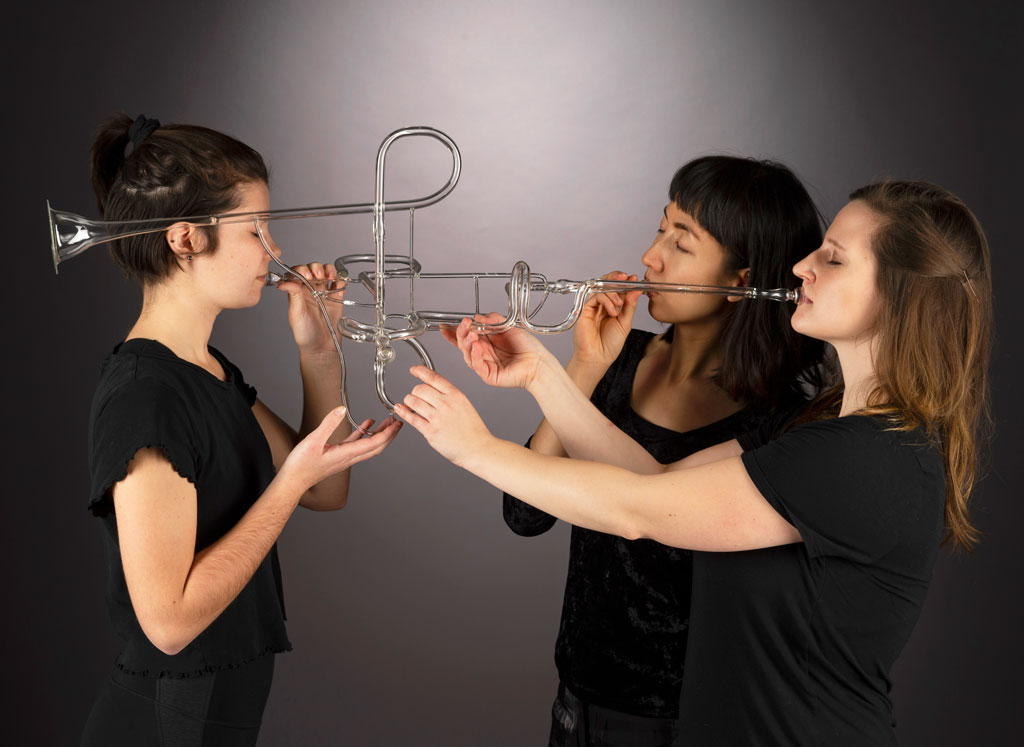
(148, 397)
(793, 645)
(622, 637)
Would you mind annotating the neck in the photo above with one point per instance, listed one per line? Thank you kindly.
(856, 359)
(696, 350)
(173, 316)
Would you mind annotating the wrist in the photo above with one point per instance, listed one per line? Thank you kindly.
(585, 374)
(543, 375)
(319, 359)
(288, 486)
(480, 454)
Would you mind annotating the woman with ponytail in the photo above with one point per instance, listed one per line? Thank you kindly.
(818, 534)
(193, 477)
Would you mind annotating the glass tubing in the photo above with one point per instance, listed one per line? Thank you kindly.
(71, 234)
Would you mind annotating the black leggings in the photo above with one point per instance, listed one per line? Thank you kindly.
(223, 709)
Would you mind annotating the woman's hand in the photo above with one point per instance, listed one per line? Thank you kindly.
(507, 359)
(444, 415)
(313, 459)
(604, 323)
(307, 323)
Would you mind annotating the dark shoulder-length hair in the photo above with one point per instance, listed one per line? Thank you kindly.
(764, 218)
(177, 171)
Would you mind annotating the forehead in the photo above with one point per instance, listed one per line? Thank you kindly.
(675, 215)
(853, 228)
(253, 197)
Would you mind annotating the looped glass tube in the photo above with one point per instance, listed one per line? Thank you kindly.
(72, 234)
(520, 287)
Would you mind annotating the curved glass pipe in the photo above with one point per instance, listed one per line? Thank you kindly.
(520, 287)
(522, 284)
(72, 234)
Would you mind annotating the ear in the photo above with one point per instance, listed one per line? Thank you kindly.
(185, 240)
(742, 279)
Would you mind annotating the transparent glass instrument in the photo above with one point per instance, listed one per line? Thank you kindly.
(527, 292)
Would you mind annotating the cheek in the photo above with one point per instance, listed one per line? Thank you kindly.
(681, 307)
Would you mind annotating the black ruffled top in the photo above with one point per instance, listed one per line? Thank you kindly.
(148, 397)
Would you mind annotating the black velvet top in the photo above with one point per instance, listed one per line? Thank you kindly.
(622, 638)
(148, 397)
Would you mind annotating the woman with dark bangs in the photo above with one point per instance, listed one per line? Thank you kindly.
(193, 476)
(719, 369)
(816, 538)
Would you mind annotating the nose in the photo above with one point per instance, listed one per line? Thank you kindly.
(651, 258)
(271, 244)
(802, 269)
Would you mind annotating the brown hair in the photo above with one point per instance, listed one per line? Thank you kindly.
(177, 171)
(933, 331)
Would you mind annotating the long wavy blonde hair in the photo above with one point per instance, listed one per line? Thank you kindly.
(933, 332)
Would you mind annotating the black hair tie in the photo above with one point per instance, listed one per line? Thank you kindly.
(141, 129)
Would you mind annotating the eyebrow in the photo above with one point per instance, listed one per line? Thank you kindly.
(691, 229)
(833, 241)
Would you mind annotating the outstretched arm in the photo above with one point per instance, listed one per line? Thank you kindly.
(517, 359)
(712, 507)
(597, 339)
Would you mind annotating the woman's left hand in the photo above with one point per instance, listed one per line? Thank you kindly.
(444, 415)
(307, 323)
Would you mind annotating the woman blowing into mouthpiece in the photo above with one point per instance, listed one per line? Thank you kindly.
(193, 476)
(821, 533)
(720, 368)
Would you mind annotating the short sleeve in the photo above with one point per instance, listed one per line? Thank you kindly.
(141, 413)
(768, 427)
(845, 484)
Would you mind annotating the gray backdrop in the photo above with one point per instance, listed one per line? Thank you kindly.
(417, 618)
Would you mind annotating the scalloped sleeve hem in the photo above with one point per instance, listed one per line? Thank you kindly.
(136, 415)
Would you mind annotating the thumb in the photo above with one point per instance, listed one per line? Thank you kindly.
(629, 308)
(329, 424)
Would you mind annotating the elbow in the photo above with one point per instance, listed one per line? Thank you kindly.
(631, 527)
(169, 638)
(630, 532)
(169, 647)
(166, 628)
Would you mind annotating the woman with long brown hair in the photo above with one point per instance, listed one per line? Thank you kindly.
(821, 533)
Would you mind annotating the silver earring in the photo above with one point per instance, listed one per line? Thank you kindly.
(189, 257)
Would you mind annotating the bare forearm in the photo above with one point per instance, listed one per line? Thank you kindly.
(221, 570)
(586, 379)
(580, 428)
(587, 494)
(321, 392)
(714, 507)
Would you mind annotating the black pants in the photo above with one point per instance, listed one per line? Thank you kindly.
(575, 723)
(222, 709)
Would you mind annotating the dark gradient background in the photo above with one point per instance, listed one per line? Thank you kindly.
(417, 618)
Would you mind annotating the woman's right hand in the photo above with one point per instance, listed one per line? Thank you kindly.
(507, 359)
(603, 326)
(313, 459)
